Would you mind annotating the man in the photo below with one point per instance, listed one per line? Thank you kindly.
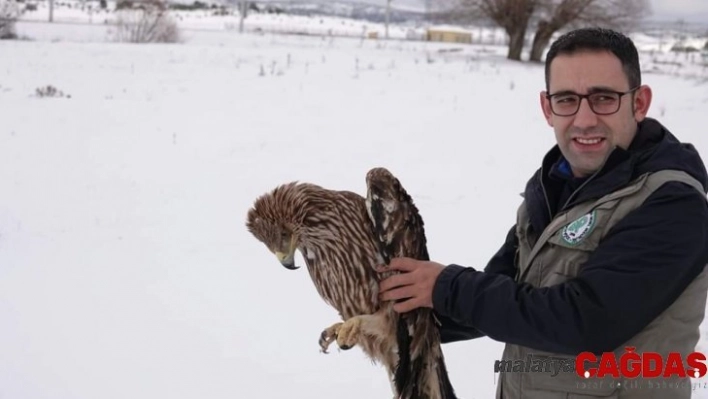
(610, 244)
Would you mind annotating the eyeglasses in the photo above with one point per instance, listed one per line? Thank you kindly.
(605, 102)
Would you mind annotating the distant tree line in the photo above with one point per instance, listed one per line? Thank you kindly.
(543, 17)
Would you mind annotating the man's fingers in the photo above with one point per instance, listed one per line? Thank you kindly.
(413, 286)
(406, 306)
(400, 264)
(397, 293)
(394, 281)
(403, 264)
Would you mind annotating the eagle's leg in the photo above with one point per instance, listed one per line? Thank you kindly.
(348, 333)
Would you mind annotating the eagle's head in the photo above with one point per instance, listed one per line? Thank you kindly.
(273, 220)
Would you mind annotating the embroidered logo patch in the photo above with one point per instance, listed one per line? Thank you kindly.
(576, 231)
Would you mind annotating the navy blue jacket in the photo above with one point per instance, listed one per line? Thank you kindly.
(622, 287)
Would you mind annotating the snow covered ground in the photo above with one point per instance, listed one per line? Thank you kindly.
(125, 267)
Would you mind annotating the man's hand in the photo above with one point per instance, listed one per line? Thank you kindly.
(415, 284)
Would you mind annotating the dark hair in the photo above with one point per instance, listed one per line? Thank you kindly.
(598, 39)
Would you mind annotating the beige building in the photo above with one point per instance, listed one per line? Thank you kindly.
(448, 34)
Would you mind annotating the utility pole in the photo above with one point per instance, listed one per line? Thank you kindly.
(51, 10)
(388, 15)
(242, 10)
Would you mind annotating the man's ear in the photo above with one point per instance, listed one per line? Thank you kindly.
(641, 102)
(546, 108)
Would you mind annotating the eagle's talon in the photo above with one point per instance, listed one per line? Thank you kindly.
(328, 336)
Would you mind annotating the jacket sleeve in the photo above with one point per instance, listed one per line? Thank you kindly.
(503, 262)
(643, 264)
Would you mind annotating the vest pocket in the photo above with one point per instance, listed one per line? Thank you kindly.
(564, 270)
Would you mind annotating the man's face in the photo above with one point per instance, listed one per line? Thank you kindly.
(586, 138)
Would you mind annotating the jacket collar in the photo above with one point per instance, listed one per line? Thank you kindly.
(617, 171)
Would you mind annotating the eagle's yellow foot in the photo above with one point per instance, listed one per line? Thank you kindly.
(348, 333)
(328, 336)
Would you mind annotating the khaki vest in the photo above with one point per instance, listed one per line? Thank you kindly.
(558, 255)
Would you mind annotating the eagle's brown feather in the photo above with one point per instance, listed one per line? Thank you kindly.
(343, 237)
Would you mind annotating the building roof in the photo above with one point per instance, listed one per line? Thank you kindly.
(449, 28)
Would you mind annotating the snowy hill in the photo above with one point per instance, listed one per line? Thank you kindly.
(363, 11)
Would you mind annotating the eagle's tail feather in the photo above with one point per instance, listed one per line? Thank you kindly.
(403, 377)
(446, 389)
(421, 371)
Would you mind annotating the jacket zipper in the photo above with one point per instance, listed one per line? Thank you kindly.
(570, 198)
(545, 195)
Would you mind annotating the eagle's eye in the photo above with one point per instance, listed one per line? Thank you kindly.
(284, 238)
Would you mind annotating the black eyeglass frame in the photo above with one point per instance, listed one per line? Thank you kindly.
(580, 97)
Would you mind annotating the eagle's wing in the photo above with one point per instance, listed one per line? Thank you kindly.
(398, 227)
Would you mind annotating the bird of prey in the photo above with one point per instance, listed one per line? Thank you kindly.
(343, 237)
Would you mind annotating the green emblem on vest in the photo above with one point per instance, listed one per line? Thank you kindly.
(576, 231)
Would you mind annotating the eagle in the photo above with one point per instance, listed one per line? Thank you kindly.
(343, 237)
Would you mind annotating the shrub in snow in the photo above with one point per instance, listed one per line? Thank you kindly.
(9, 11)
(50, 91)
(147, 21)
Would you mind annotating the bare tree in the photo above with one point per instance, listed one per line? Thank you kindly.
(511, 15)
(9, 12)
(149, 21)
(455, 11)
(555, 15)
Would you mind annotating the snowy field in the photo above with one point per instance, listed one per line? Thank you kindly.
(126, 270)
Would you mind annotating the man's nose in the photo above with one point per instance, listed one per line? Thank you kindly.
(585, 116)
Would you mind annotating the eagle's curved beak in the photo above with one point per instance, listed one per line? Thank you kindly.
(287, 260)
